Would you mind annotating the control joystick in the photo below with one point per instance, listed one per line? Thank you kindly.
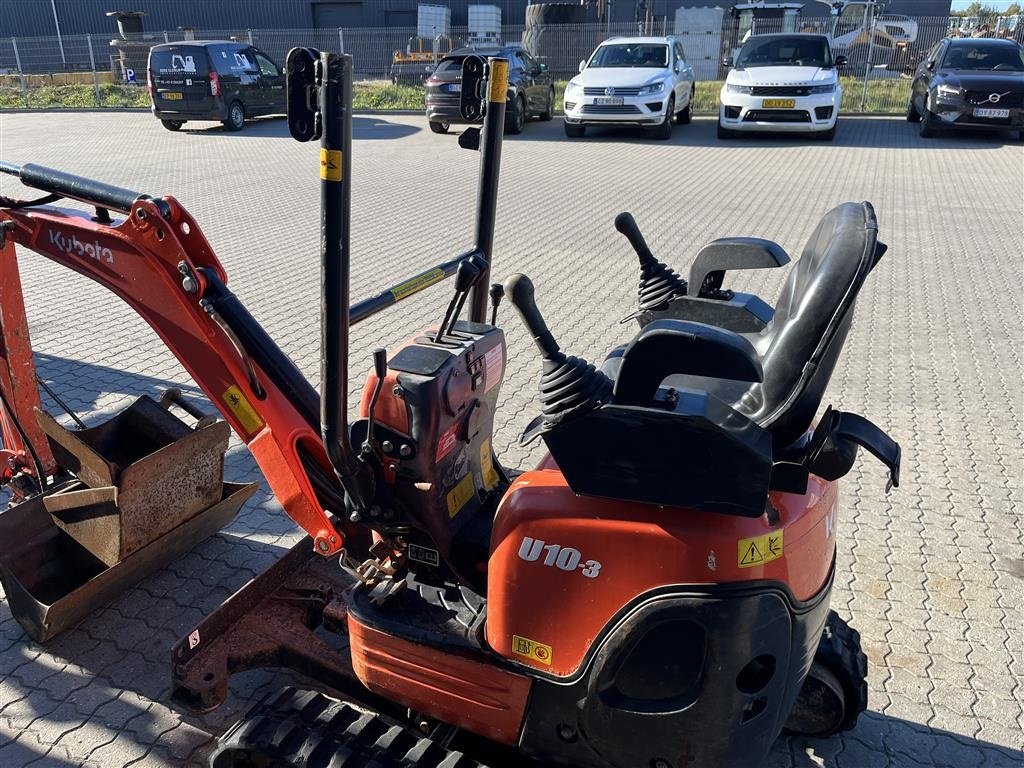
(659, 284)
(569, 386)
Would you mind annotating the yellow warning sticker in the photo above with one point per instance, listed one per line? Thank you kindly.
(243, 410)
(418, 283)
(460, 494)
(487, 465)
(759, 550)
(499, 81)
(330, 164)
(531, 649)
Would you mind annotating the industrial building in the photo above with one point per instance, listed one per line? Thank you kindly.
(39, 18)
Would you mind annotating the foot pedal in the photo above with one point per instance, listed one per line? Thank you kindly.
(304, 728)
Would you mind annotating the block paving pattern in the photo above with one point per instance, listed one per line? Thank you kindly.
(932, 574)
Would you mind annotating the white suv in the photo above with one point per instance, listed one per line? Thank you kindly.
(787, 82)
(631, 81)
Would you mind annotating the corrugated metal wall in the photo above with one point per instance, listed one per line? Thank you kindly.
(34, 18)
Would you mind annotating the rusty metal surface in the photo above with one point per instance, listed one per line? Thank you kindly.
(51, 581)
(90, 516)
(164, 473)
(271, 621)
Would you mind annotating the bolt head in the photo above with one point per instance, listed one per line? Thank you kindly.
(405, 450)
(388, 446)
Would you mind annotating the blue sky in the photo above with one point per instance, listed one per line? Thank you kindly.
(959, 5)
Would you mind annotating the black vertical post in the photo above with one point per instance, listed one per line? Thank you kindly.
(335, 95)
(487, 195)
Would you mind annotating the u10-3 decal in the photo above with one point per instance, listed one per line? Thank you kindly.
(557, 556)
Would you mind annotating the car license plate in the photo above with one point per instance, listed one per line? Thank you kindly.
(609, 100)
(454, 87)
(172, 96)
(778, 103)
(989, 112)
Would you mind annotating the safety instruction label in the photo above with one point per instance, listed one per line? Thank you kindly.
(330, 164)
(493, 364)
(499, 81)
(243, 410)
(448, 440)
(460, 494)
(531, 649)
(759, 550)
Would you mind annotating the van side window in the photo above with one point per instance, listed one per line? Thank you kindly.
(267, 67)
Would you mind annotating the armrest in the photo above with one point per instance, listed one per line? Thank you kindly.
(668, 347)
(726, 253)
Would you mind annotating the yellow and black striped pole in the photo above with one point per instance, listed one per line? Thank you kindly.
(490, 167)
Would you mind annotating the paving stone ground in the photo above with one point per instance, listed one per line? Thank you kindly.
(932, 574)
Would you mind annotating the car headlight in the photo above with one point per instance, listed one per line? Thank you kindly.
(573, 89)
(948, 93)
(830, 88)
(733, 88)
(647, 90)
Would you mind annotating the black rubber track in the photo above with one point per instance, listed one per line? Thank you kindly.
(839, 650)
(305, 729)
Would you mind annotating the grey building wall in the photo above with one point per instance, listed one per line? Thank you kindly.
(34, 18)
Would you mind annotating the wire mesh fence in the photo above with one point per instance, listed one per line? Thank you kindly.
(93, 70)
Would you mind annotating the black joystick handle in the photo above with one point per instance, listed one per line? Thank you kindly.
(468, 272)
(626, 224)
(497, 292)
(519, 290)
(466, 275)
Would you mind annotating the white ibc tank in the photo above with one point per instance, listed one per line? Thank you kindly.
(484, 21)
(700, 32)
(432, 20)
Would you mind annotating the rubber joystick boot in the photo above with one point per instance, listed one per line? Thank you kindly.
(569, 386)
(659, 284)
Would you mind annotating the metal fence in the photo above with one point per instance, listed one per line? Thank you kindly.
(876, 78)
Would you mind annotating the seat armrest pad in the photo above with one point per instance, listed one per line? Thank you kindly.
(735, 253)
(668, 347)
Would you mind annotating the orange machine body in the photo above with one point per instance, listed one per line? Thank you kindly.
(547, 616)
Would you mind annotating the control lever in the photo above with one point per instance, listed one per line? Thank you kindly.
(569, 386)
(497, 292)
(380, 368)
(658, 283)
(520, 292)
(466, 275)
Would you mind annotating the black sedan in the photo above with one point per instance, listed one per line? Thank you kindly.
(969, 83)
(531, 89)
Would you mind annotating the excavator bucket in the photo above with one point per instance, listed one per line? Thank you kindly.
(146, 489)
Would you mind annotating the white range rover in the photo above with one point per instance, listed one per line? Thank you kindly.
(631, 81)
(784, 82)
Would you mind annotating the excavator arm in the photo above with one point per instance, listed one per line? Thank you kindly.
(158, 261)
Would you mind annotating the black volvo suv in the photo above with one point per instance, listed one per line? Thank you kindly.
(213, 80)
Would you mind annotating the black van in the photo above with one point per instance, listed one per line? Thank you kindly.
(213, 80)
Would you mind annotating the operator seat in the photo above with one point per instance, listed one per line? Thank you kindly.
(798, 349)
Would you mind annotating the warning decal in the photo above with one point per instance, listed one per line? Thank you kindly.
(531, 650)
(243, 410)
(460, 494)
(759, 550)
(490, 477)
(330, 164)
(494, 364)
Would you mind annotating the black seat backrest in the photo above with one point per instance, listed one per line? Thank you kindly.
(801, 344)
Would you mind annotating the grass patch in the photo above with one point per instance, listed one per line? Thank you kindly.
(885, 96)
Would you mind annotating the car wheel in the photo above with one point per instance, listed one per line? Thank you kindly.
(684, 117)
(725, 133)
(173, 125)
(664, 130)
(574, 130)
(516, 118)
(236, 117)
(927, 129)
(437, 127)
(913, 116)
(549, 113)
(829, 134)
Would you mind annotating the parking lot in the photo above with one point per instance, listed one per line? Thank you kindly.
(932, 574)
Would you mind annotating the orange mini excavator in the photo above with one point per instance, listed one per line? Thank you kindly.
(654, 594)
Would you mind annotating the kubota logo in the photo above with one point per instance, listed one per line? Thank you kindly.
(71, 245)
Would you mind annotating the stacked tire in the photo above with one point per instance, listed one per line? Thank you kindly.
(545, 41)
